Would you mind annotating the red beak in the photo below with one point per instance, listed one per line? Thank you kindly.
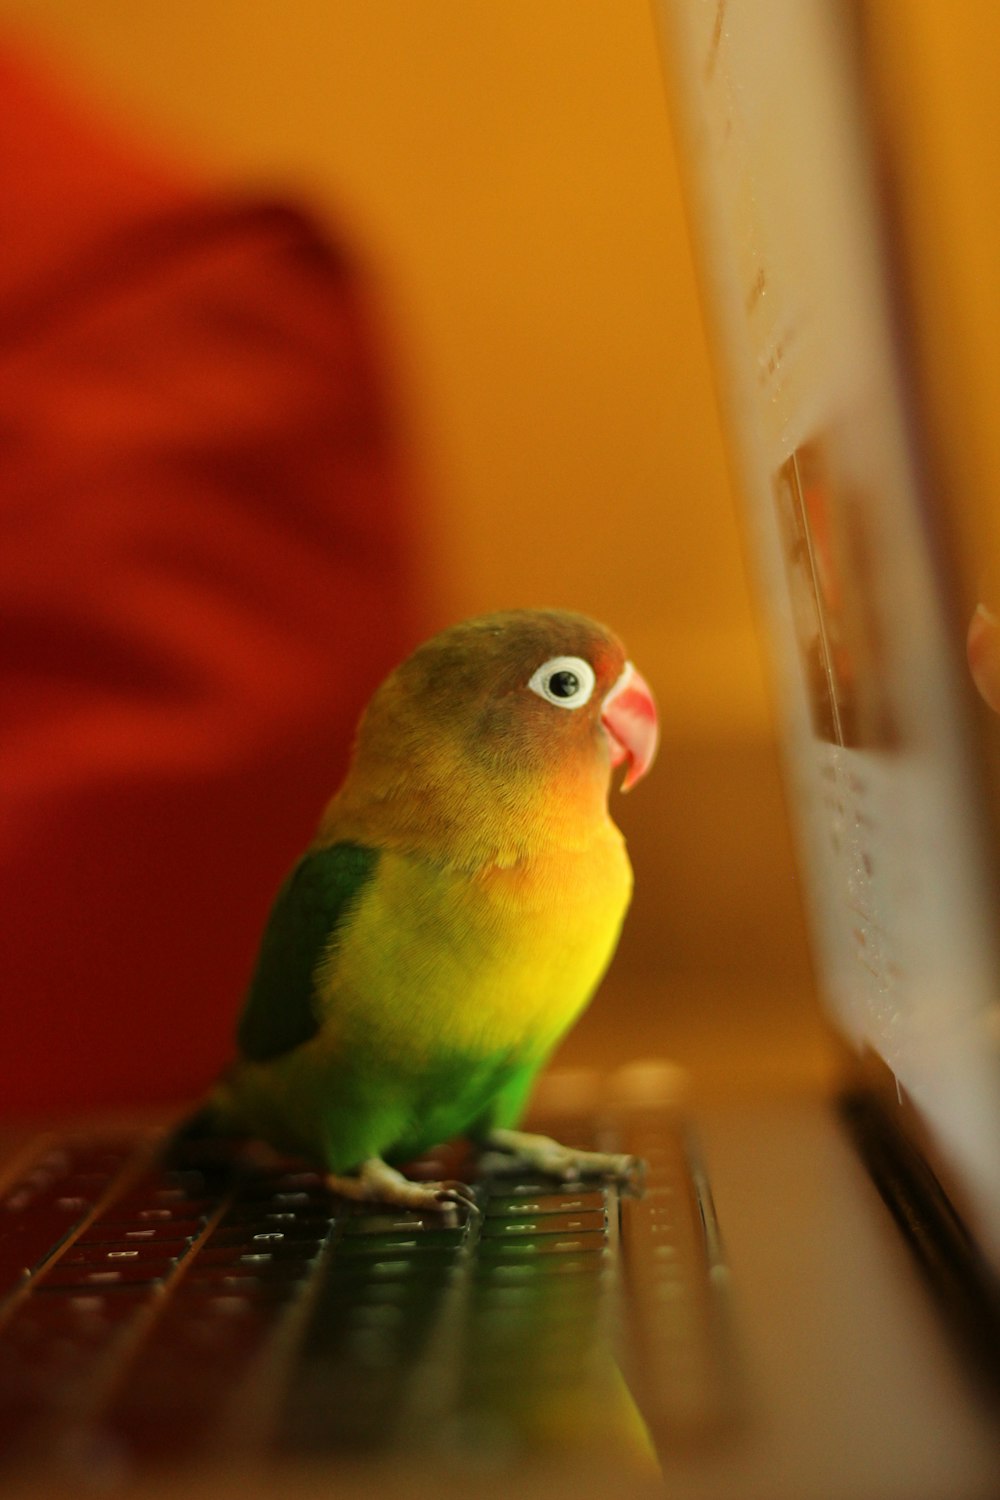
(628, 714)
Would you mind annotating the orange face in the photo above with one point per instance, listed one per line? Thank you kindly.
(533, 691)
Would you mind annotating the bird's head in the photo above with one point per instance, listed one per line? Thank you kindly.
(523, 695)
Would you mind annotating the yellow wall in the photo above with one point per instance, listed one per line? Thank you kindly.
(507, 168)
(508, 171)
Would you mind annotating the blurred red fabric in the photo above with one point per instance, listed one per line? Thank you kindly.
(204, 573)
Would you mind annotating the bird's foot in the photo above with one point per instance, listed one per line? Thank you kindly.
(377, 1182)
(541, 1153)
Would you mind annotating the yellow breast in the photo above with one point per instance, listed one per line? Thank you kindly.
(438, 959)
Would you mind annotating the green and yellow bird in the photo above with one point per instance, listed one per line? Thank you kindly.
(456, 911)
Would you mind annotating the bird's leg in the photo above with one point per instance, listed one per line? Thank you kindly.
(542, 1154)
(377, 1182)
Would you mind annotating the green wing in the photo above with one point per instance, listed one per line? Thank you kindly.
(313, 903)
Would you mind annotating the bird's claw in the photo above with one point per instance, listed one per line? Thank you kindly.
(453, 1194)
(623, 1168)
(630, 1174)
(454, 1191)
(376, 1182)
(574, 1166)
(564, 1163)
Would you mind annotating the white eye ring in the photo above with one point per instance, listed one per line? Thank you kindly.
(559, 670)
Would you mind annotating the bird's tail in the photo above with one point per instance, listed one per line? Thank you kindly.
(213, 1119)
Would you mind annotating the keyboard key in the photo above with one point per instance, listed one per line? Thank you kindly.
(524, 1246)
(170, 1230)
(296, 1252)
(541, 1224)
(250, 1278)
(511, 1271)
(272, 1211)
(551, 1200)
(107, 1277)
(391, 1223)
(271, 1231)
(218, 1282)
(50, 1199)
(114, 1253)
(382, 1245)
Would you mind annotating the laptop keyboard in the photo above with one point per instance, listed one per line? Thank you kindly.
(155, 1313)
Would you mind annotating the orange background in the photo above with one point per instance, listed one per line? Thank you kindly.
(507, 170)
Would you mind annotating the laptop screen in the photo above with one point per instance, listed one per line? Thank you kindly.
(885, 789)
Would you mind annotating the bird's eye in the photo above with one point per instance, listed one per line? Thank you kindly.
(566, 681)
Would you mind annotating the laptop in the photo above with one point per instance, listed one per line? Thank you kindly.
(861, 543)
(800, 1298)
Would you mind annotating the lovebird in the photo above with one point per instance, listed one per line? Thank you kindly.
(455, 912)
